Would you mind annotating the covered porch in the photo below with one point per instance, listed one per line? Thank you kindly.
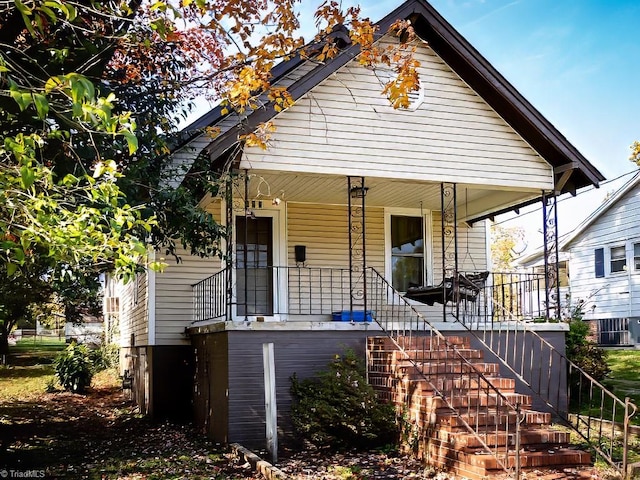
(327, 248)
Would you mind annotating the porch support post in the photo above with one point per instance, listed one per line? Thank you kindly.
(449, 232)
(356, 193)
(228, 260)
(551, 273)
(246, 240)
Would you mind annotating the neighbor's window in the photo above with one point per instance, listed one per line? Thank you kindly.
(407, 252)
(636, 256)
(618, 259)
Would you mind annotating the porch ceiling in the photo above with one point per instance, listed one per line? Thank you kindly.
(472, 200)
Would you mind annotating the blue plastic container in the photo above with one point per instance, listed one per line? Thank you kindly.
(355, 316)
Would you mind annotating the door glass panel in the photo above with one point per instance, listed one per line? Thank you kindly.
(254, 265)
(406, 272)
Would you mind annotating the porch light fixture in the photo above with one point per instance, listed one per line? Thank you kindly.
(358, 192)
(249, 213)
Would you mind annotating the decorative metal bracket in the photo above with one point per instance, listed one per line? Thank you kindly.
(449, 219)
(356, 192)
(551, 271)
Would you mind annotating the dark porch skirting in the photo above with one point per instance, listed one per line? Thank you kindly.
(229, 391)
(161, 379)
(229, 397)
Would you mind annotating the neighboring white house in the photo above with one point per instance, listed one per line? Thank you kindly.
(604, 265)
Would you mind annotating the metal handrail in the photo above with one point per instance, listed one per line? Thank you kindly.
(402, 323)
(513, 342)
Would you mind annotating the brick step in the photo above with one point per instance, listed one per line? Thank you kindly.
(428, 403)
(451, 420)
(458, 383)
(425, 355)
(528, 459)
(481, 400)
(416, 342)
(450, 368)
(471, 472)
(534, 437)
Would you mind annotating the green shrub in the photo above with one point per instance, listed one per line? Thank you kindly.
(585, 353)
(107, 356)
(73, 368)
(340, 410)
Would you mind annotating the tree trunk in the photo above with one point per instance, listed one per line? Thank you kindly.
(4, 343)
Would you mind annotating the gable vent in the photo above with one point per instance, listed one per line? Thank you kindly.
(416, 97)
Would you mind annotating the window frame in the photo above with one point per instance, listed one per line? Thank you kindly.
(611, 259)
(635, 258)
(427, 235)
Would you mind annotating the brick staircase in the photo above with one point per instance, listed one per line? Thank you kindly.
(436, 388)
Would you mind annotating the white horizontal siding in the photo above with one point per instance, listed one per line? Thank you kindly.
(134, 311)
(174, 295)
(324, 229)
(345, 126)
(616, 294)
(182, 159)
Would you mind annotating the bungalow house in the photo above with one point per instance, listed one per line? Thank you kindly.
(353, 205)
(604, 260)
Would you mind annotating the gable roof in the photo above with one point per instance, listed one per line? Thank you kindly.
(571, 169)
(601, 210)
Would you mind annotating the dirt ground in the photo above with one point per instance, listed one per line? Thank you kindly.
(100, 436)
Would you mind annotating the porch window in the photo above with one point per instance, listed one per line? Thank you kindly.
(407, 252)
(636, 256)
(618, 259)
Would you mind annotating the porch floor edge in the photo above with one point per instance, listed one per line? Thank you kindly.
(300, 325)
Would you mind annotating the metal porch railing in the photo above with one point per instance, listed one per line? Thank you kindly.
(210, 298)
(501, 319)
(298, 291)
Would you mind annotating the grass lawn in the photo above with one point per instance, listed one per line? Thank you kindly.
(624, 379)
(29, 369)
(99, 435)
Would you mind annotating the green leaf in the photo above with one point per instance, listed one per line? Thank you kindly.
(11, 269)
(132, 141)
(21, 98)
(51, 84)
(42, 105)
(26, 12)
(28, 176)
(22, 8)
(19, 254)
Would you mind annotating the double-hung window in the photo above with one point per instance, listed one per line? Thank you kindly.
(618, 259)
(636, 256)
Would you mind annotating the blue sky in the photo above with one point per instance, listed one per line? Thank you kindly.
(576, 61)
